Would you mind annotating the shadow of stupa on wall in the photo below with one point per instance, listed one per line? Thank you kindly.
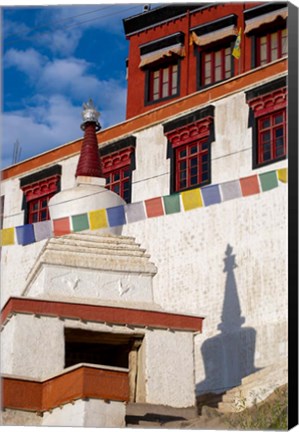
(229, 356)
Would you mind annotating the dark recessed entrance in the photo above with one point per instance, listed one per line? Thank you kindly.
(83, 346)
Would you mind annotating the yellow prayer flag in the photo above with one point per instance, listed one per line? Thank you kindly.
(283, 175)
(237, 50)
(191, 199)
(98, 219)
(7, 236)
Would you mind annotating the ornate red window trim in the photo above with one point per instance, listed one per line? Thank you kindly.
(117, 170)
(270, 127)
(191, 150)
(37, 195)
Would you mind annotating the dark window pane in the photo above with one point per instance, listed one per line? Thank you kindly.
(267, 156)
(279, 132)
(127, 173)
(266, 123)
(204, 146)
(44, 215)
(194, 171)
(34, 217)
(183, 165)
(205, 167)
(44, 203)
(182, 175)
(116, 177)
(126, 185)
(205, 176)
(279, 151)
(278, 119)
(126, 196)
(205, 158)
(116, 188)
(182, 184)
(193, 181)
(35, 206)
(183, 153)
(266, 147)
(193, 149)
(194, 162)
(266, 136)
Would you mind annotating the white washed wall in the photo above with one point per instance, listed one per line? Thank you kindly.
(189, 249)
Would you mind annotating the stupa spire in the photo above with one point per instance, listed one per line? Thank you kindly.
(89, 161)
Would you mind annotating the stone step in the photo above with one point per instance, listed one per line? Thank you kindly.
(81, 249)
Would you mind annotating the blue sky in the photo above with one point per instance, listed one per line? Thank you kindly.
(54, 59)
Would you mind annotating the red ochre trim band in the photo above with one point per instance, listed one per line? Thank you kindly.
(82, 382)
(99, 313)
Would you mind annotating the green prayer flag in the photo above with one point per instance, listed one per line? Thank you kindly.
(172, 203)
(268, 180)
(80, 222)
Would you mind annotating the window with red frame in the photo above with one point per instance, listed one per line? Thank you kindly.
(217, 65)
(192, 165)
(38, 210)
(38, 188)
(163, 82)
(119, 181)
(271, 46)
(271, 136)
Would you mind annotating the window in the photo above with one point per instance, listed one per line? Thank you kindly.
(163, 82)
(214, 43)
(37, 189)
(118, 162)
(217, 65)
(160, 60)
(271, 137)
(266, 26)
(271, 46)
(38, 209)
(119, 181)
(189, 148)
(192, 165)
(269, 122)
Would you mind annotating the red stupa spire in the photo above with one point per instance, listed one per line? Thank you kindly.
(89, 161)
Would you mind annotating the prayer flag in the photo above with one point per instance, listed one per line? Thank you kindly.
(154, 207)
(42, 230)
(191, 199)
(237, 50)
(172, 203)
(268, 180)
(80, 222)
(98, 219)
(211, 195)
(135, 212)
(231, 190)
(249, 185)
(116, 216)
(25, 234)
(61, 226)
(282, 175)
(7, 236)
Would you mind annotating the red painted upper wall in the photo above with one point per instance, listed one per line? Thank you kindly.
(147, 31)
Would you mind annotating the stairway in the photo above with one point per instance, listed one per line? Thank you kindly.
(255, 388)
(143, 415)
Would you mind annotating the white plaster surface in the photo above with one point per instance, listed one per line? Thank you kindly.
(195, 274)
(87, 413)
(34, 346)
(169, 368)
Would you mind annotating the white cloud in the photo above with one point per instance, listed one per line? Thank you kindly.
(28, 61)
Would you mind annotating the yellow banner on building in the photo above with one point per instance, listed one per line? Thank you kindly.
(237, 49)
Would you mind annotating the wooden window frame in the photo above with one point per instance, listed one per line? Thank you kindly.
(271, 129)
(268, 36)
(149, 77)
(192, 131)
(37, 188)
(266, 102)
(119, 161)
